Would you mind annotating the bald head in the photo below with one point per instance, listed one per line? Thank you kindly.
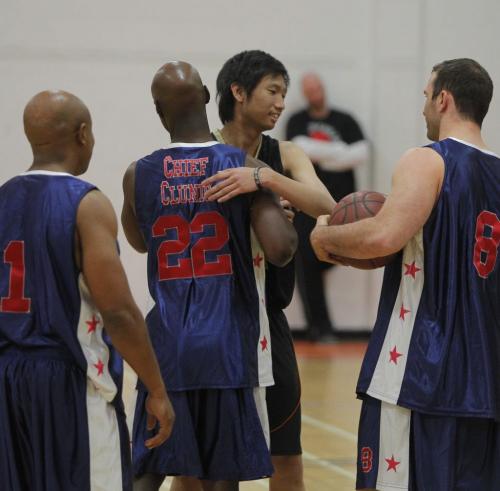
(51, 116)
(59, 129)
(178, 91)
(314, 91)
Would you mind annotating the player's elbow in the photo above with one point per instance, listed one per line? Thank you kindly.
(118, 321)
(139, 246)
(135, 239)
(383, 243)
(282, 252)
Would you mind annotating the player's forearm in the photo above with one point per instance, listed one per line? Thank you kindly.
(131, 229)
(361, 240)
(129, 336)
(276, 234)
(312, 201)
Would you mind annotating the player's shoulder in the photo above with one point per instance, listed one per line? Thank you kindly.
(152, 156)
(429, 153)
(95, 204)
(53, 181)
(289, 149)
(420, 159)
(226, 149)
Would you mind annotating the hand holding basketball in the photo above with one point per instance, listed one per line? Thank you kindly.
(354, 207)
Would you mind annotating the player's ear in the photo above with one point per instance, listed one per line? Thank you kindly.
(158, 110)
(162, 116)
(82, 134)
(238, 92)
(207, 94)
(444, 99)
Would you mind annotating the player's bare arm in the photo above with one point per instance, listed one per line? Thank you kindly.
(416, 184)
(103, 271)
(275, 232)
(129, 222)
(303, 190)
(312, 197)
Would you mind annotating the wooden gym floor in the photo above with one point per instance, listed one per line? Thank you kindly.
(330, 414)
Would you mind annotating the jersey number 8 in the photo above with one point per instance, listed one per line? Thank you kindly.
(486, 246)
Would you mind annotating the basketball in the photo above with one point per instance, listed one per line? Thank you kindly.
(354, 207)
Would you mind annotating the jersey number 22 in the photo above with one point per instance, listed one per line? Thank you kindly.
(195, 266)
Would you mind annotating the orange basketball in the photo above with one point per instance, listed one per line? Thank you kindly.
(354, 207)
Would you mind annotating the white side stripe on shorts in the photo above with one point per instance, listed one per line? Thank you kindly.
(394, 448)
(104, 440)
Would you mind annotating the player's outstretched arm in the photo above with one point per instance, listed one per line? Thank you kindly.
(416, 184)
(129, 222)
(103, 271)
(274, 230)
(303, 190)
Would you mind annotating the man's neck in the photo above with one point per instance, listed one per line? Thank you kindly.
(191, 130)
(61, 161)
(466, 131)
(242, 136)
(190, 138)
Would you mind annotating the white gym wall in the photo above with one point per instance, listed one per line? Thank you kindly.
(374, 55)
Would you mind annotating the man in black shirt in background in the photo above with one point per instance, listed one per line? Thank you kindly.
(335, 144)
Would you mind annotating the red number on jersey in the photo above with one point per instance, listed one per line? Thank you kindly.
(366, 459)
(223, 264)
(183, 268)
(16, 302)
(486, 245)
(196, 265)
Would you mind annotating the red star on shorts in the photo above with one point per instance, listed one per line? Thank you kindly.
(92, 324)
(394, 355)
(257, 260)
(411, 269)
(263, 343)
(403, 312)
(392, 464)
(100, 366)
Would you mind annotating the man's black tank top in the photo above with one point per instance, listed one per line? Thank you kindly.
(280, 282)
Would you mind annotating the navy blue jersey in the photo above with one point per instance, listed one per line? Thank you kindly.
(45, 304)
(435, 347)
(208, 325)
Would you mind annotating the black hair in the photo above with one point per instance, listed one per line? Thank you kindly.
(246, 69)
(469, 84)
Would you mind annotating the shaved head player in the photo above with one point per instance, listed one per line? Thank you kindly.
(61, 282)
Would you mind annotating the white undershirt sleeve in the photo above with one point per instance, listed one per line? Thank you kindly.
(334, 156)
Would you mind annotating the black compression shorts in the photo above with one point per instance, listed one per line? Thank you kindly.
(283, 399)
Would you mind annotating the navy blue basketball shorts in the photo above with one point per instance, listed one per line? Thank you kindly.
(219, 434)
(57, 433)
(401, 449)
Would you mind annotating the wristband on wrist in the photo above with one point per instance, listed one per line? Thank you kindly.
(256, 177)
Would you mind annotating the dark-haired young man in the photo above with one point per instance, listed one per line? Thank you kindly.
(429, 381)
(251, 90)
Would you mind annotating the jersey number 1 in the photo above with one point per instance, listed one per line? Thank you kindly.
(16, 302)
(486, 246)
(196, 265)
